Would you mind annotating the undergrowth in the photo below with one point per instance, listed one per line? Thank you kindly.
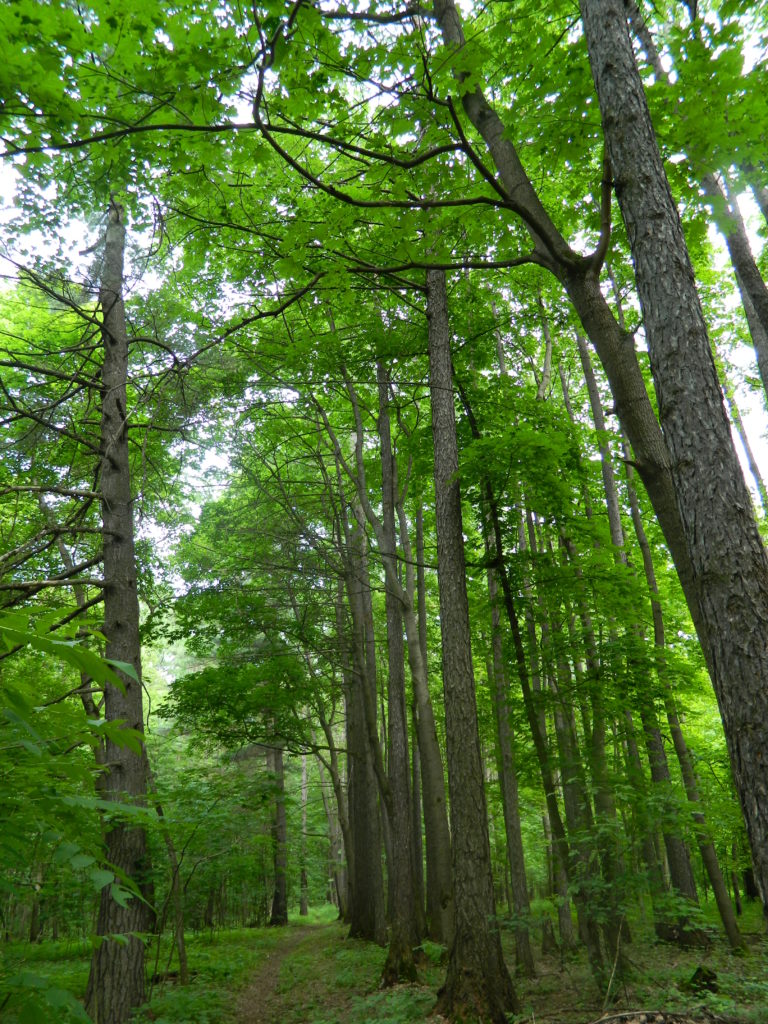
(318, 976)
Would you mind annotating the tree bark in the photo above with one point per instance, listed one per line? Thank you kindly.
(367, 885)
(303, 881)
(508, 785)
(477, 981)
(417, 843)
(116, 981)
(437, 836)
(279, 911)
(725, 550)
(399, 965)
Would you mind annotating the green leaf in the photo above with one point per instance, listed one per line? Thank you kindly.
(100, 877)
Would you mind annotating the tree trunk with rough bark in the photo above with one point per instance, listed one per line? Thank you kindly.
(724, 547)
(403, 936)
(116, 981)
(477, 981)
(367, 885)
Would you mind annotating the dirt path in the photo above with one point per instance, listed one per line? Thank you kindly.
(274, 994)
(261, 1002)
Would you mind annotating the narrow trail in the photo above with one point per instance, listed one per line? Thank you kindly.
(261, 1001)
(272, 995)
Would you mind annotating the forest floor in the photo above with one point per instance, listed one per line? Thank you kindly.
(315, 975)
(310, 973)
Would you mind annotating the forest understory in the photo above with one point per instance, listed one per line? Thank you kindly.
(311, 972)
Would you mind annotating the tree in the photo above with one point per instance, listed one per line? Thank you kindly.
(116, 982)
(726, 553)
(477, 980)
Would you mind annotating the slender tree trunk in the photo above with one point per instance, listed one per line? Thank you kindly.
(508, 786)
(177, 890)
(439, 885)
(116, 981)
(678, 857)
(279, 912)
(437, 836)
(337, 845)
(724, 547)
(399, 965)
(477, 981)
(338, 823)
(752, 288)
(703, 838)
(416, 832)
(645, 824)
(738, 423)
(367, 904)
(533, 707)
(578, 815)
(303, 883)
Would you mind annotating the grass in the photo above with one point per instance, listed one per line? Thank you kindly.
(310, 973)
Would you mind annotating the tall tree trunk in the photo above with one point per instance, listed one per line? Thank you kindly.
(726, 552)
(303, 882)
(437, 836)
(477, 981)
(367, 884)
(738, 423)
(439, 884)
(399, 965)
(116, 981)
(508, 785)
(533, 708)
(279, 911)
(337, 842)
(417, 846)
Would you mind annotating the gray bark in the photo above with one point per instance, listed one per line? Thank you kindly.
(367, 885)
(725, 550)
(417, 847)
(477, 980)
(438, 843)
(399, 965)
(116, 981)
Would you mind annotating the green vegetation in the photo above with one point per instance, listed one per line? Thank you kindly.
(383, 592)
